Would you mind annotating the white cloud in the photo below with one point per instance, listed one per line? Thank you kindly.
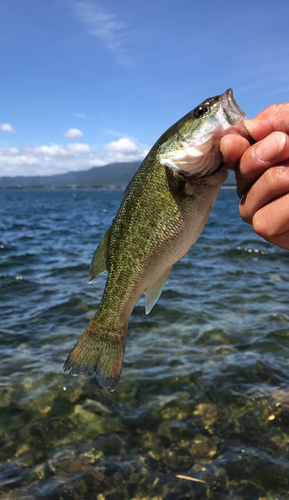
(78, 148)
(123, 145)
(123, 150)
(6, 127)
(103, 25)
(59, 158)
(56, 150)
(72, 133)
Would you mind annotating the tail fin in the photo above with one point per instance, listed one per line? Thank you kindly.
(100, 351)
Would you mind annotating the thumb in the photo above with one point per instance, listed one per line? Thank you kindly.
(273, 118)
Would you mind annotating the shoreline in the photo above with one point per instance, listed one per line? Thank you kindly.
(76, 187)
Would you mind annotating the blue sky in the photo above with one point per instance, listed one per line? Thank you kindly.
(90, 82)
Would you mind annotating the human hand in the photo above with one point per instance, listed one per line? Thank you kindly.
(262, 173)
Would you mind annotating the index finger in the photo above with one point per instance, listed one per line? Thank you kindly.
(273, 118)
(232, 147)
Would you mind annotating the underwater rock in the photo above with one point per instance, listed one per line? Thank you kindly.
(82, 416)
(203, 447)
(96, 407)
(61, 460)
(111, 445)
(164, 429)
(90, 457)
(208, 414)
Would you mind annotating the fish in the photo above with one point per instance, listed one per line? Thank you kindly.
(163, 211)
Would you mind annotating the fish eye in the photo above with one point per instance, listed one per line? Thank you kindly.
(200, 111)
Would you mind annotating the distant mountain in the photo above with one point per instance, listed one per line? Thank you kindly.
(113, 174)
(117, 174)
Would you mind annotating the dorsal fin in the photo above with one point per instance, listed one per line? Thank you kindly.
(99, 262)
(153, 294)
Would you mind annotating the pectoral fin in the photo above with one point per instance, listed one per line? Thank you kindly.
(99, 262)
(153, 294)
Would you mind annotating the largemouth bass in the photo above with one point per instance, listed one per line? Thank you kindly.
(163, 211)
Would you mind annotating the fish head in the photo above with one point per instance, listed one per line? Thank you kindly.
(192, 145)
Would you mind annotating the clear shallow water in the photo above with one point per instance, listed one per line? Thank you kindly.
(205, 386)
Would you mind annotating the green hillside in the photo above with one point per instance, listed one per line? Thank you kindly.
(117, 174)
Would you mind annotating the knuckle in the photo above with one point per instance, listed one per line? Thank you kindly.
(281, 112)
(276, 177)
(261, 226)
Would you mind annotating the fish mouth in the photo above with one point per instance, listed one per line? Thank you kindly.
(231, 109)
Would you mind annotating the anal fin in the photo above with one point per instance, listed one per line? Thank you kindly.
(99, 263)
(154, 293)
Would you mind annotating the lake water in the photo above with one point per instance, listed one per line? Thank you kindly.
(204, 390)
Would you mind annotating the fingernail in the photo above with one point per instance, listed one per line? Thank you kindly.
(243, 198)
(270, 147)
(252, 126)
(224, 149)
